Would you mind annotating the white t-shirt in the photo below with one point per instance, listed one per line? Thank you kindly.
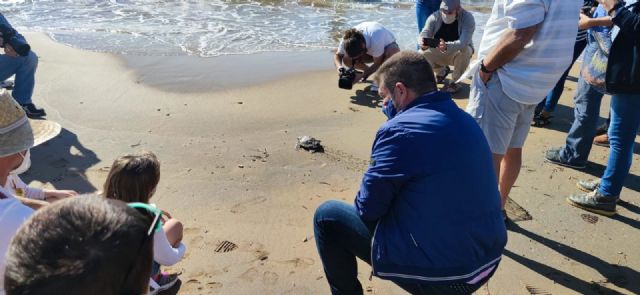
(376, 36)
(12, 214)
(163, 252)
(530, 75)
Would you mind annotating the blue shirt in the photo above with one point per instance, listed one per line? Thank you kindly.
(432, 189)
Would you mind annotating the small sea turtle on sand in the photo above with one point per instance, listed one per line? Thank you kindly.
(309, 143)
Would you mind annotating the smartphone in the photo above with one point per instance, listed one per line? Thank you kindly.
(431, 42)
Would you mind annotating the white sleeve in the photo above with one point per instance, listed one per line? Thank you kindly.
(14, 182)
(341, 50)
(378, 43)
(163, 252)
(524, 13)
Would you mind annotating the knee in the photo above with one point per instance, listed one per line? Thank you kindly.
(31, 60)
(174, 226)
(325, 211)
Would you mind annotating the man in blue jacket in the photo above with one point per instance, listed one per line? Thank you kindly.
(427, 215)
(22, 63)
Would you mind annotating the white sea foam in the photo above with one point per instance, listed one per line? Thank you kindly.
(208, 28)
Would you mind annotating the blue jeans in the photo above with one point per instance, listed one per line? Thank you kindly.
(583, 130)
(424, 8)
(24, 67)
(625, 121)
(549, 103)
(341, 236)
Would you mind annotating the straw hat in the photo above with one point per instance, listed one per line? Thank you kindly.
(17, 133)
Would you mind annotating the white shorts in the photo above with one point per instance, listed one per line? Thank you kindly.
(504, 121)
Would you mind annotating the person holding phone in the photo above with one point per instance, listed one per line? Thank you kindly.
(446, 40)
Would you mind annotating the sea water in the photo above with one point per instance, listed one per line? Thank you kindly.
(213, 27)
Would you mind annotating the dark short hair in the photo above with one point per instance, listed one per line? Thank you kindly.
(354, 42)
(133, 178)
(81, 245)
(411, 69)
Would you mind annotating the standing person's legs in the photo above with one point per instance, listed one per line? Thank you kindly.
(512, 161)
(625, 121)
(341, 236)
(24, 67)
(579, 139)
(424, 8)
(551, 101)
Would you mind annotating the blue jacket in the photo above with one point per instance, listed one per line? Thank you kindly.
(5, 22)
(432, 189)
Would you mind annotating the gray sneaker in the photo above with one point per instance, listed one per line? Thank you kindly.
(553, 156)
(588, 185)
(594, 202)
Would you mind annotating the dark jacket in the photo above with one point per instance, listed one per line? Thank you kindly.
(623, 68)
(431, 188)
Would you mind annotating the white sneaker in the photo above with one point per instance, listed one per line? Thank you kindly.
(165, 282)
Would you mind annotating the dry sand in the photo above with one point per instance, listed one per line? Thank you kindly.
(230, 173)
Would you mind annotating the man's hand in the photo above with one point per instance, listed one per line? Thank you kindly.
(608, 4)
(485, 77)
(57, 195)
(442, 46)
(359, 77)
(340, 69)
(8, 50)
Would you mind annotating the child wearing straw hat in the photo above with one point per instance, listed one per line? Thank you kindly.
(17, 136)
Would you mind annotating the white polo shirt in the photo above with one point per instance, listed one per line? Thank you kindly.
(535, 71)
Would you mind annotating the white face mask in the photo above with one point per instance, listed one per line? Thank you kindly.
(448, 18)
(24, 166)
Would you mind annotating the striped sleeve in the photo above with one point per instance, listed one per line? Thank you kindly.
(524, 13)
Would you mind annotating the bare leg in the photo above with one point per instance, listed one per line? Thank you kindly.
(509, 171)
(497, 160)
(174, 229)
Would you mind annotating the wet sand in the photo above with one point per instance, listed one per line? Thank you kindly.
(231, 173)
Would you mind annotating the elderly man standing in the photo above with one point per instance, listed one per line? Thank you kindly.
(453, 27)
(526, 46)
(412, 221)
(17, 136)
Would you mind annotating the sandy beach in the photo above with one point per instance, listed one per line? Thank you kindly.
(225, 130)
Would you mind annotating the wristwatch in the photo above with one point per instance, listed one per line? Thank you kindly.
(484, 69)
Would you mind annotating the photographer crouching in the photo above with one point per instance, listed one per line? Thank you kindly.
(18, 59)
(366, 43)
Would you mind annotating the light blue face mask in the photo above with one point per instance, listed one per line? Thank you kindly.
(389, 110)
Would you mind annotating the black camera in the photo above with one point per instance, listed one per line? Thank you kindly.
(347, 77)
(9, 36)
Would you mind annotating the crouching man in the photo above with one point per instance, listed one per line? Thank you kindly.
(426, 218)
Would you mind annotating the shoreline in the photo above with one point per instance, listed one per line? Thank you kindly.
(230, 172)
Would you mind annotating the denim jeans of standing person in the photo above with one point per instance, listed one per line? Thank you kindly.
(424, 8)
(583, 130)
(24, 67)
(550, 102)
(341, 237)
(625, 121)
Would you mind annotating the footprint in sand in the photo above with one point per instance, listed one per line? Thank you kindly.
(243, 206)
(195, 236)
(300, 262)
(250, 274)
(270, 278)
(201, 282)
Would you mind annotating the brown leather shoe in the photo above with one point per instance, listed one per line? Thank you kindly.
(601, 140)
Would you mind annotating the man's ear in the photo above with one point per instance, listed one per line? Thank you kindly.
(401, 89)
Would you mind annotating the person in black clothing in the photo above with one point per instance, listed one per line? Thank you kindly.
(453, 27)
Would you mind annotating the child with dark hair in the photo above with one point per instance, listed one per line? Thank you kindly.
(83, 245)
(134, 178)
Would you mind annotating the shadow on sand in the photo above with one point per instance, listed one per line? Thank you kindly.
(618, 275)
(63, 162)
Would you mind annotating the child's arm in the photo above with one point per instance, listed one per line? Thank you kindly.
(163, 252)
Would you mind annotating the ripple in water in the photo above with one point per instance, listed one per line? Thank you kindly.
(210, 28)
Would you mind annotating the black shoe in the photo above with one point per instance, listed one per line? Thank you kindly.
(32, 111)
